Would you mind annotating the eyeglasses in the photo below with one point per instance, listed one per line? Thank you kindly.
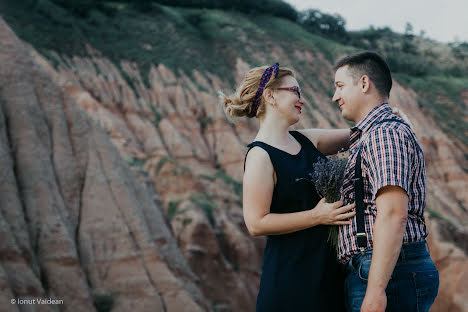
(292, 89)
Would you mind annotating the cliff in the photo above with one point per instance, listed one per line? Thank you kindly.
(124, 185)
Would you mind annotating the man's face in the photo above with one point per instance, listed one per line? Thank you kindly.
(348, 94)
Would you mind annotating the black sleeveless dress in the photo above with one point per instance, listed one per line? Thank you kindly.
(300, 271)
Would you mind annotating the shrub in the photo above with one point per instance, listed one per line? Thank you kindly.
(103, 302)
(206, 204)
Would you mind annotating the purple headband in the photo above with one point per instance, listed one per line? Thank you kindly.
(265, 78)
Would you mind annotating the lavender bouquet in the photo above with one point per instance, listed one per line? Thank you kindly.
(328, 178)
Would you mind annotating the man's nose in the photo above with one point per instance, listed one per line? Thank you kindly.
(336, 97)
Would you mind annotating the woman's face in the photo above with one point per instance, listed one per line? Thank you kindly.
(288, 102)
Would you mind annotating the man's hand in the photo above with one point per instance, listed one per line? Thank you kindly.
(400, 113)
(374, 301)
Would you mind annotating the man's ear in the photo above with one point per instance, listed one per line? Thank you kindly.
(364, 83)
(269, 96)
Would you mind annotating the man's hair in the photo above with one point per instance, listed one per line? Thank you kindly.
(371, 64)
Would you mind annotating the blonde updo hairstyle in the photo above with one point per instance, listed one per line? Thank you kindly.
(239, 104)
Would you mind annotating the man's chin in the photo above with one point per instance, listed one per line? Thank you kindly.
(345, 115)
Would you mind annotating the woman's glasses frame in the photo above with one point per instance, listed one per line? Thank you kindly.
(292, 89)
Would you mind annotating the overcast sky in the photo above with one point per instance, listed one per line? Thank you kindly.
(442, 20)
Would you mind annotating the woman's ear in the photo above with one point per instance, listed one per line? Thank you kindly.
(269, 96)
(364, 83)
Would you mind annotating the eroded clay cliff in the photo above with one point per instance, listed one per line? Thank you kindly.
(78, 222)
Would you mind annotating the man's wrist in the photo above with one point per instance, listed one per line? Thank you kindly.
(377, 285)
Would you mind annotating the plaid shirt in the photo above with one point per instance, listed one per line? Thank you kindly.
(391, 155)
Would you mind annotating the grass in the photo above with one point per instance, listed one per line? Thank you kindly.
(236, 185)
(289, 34)
(181, 170)
(205, 202)
(134, 161)
(211, 40)
(157, 116)
(161, 164)
(222, 175)
(173, 209)
(436, 215)
(440, 96)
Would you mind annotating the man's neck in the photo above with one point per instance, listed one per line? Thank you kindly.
(367, 108)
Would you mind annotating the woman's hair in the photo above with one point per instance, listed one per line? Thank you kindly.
(239, 104)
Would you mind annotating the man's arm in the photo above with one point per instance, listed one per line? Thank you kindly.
(389, 228)
(389, 169)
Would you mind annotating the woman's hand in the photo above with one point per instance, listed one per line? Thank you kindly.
(333, 213)
(402, 115)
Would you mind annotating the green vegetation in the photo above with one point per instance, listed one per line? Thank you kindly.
(331, 26)
(211, 39)
(173, 209)
(205, 202)
(209, 36)
(236, 185)
(222, 175)
(157, 116)
(135, 161)
(103, 302)
(161, 163)
(181, 170)
(205, 121)
(441, 96)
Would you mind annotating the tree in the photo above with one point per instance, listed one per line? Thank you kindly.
(325, 24)
(77, 7)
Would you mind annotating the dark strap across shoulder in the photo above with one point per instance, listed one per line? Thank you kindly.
(359, 194)
(300, 138)
(252, 145)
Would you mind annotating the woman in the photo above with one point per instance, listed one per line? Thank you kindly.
(300, 272)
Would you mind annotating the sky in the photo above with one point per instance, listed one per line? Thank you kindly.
(441, 20)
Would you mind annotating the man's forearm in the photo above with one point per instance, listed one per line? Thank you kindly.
(388, 237)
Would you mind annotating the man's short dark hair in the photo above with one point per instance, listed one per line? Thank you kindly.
(371, 64)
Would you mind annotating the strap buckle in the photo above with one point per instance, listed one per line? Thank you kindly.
(361, 238)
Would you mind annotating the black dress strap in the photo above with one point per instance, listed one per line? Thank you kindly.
(252, 145)
(359, 193)
(298, 136)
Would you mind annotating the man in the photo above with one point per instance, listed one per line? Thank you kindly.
(384, 249)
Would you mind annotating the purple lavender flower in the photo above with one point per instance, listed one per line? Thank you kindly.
(328, 178)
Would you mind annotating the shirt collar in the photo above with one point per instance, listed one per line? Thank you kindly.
(372, 117)
(367, 122)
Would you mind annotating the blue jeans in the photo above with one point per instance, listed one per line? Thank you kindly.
(413, 286)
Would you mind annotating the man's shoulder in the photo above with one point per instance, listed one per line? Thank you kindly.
(390, 122)
(396, 127)
(391, 132)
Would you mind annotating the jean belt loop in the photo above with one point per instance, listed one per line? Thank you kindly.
(351, 264)
(427, 247)
(402, 253)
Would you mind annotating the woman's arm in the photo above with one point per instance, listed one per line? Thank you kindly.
(258, 185)
(328, 141)
(331, 141)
